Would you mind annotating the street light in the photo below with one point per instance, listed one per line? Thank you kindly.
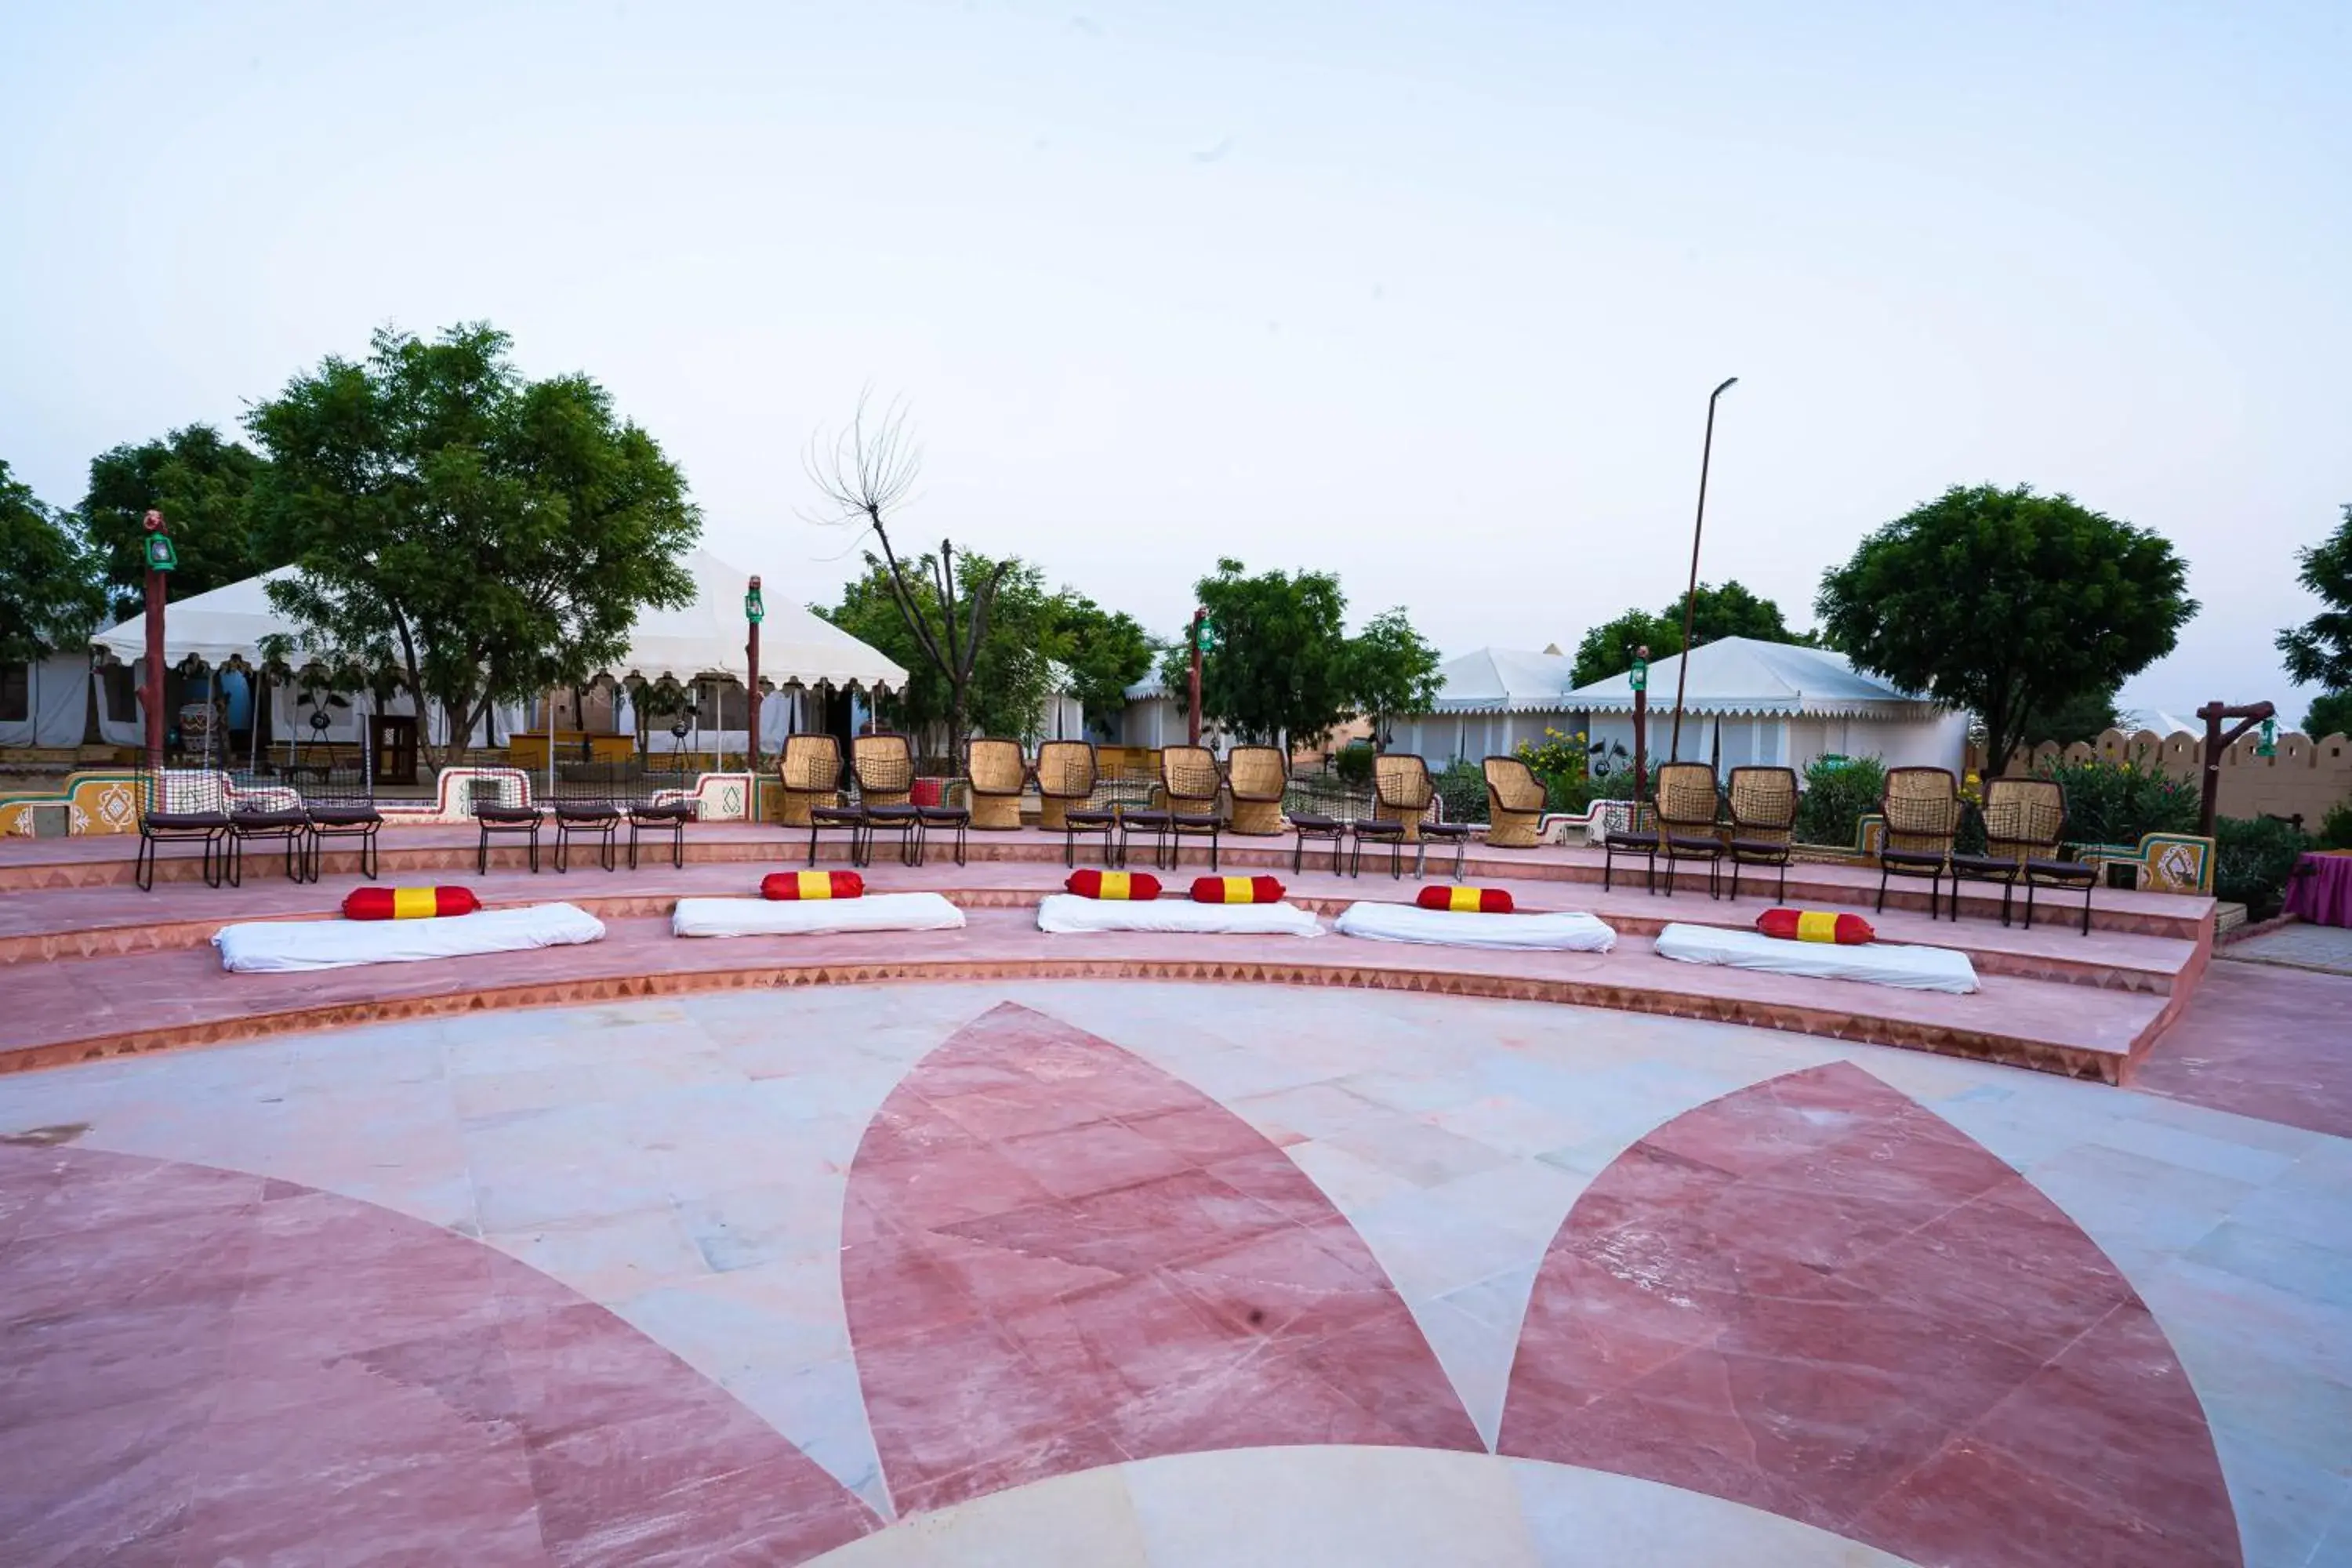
(1690, 596)
(755, 610)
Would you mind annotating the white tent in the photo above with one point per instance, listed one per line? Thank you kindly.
(46, 702)
(704, 640)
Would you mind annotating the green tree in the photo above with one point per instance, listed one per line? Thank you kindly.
(2330, 714)
(1105, 651)
(203, 486)
(1277, 663)
(2002, 601)
(50, 599)
(1391, 669)
(2319, 651)
(1729, 611)
(2082, 717)
(487, 536)
(1012, 671)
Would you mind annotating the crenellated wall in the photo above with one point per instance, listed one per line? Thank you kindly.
(2305, 779)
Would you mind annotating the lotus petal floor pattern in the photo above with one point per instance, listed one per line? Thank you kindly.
(1129, 1273)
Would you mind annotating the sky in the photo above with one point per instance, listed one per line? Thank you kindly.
(1430, 295)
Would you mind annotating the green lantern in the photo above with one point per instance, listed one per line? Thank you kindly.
(755, 609)
(1638, 677)
(2268, 745)
(160, 554)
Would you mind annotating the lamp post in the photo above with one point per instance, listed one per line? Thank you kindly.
(161, 559)
(1639, 679)
(1192, 726)
(755, 610)
(1690, 596)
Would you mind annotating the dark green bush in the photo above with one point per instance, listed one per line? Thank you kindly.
(2251, 858)
(2336, 827)
(1837, 795)
(2117, 802)
(1462, 789)
(1354, 763)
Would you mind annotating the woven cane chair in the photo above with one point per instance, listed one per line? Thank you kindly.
(998, 773)
(884, 763)
(1687, 801)
(810, 774)
(1514, 803)
(1763, 822)
(1191, 783)
(1258, 777)
(1067, 773)
(1404, 796)
(1922, 811)
(2025, 827)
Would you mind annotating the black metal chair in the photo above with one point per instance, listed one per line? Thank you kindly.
(195, 811)
(904, 819)
(289, 826)
(596, 819)
(1139, 819)
(1314, 825)
(1191, 780)
(520, 821)
(956, 818)
(1440, 831)
(343, 819)
(672, 817)
(850, 819)
(1633, 838)
(2025, 828)
(1686, 803)
(1402, 794)
(1078, 819)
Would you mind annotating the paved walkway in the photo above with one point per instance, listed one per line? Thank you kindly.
(1106, 1274)
(2299, 946)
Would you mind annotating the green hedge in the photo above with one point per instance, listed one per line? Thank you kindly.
(2252, 859)
(2119, 803)
(1838, 794)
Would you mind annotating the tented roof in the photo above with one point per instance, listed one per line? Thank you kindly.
(1748, 676)
(706, 639)
(1503, 681)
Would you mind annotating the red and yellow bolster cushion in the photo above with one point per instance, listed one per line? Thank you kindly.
(1119, 887)
(1816, 925)
(1237, 890)
(408, 903)
(794, 887)
(1467, 900)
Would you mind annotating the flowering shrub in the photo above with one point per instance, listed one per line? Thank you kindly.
(1562, 762)
(2117, 802)
(1838, 793)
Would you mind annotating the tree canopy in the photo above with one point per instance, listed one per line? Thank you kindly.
(2002, 601)
(2330, 714)
(2319, 651)
(488, 536)
(1729, 611)
(203, 486)
(1105, 651)
(50, 598)
(2085, 716)
(1276, 660)
(1391, 669)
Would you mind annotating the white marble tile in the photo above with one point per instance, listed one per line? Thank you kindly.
(1365, 1508)
(1593, 1518)
(1083, 1520)
(609, 1258)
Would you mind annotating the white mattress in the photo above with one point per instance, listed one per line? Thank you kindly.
(1061, 914)
(262, 946)
(1880, 964)
(813, 917)
(1564, 932)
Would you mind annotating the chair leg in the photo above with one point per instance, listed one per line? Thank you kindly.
(142, 865)
(2088, 889)
(812, 841)
(1608, 861)
(1882, 888)
(1782, 896)
(2029, 904)
(534, 850)
(1212, 852)
(563, 847)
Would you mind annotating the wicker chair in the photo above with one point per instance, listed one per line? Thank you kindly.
(1258, 777)
(2025, 825)
(884, 763)
(1192, 782)
(1066, 772)
(1687, 801)
(1639, 836)
(1922, 812)
(810, 773)
(1763, 822)
(998, 773)
(1402, 794)
(1514, 803)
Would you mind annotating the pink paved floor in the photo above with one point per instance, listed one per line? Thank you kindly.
(2262, 1040)
(68, 1009)
(1817, 1298)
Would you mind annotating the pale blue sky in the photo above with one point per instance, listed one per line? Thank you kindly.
(1430, 295)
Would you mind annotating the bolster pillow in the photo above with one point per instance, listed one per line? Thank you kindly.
(791, 887)
(1816, 925)
(1119, 887)
(1467, 900)
(407, 904)
(1237, 890)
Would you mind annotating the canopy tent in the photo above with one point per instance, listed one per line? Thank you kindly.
(703, 641)
(1749, 676)
(45, 702)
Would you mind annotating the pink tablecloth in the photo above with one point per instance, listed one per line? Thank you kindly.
(2320, 890)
